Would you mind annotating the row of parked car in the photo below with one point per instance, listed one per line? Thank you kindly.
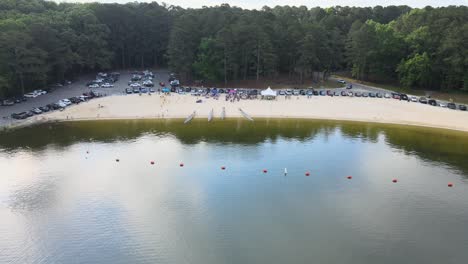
(397, 96)
(139, 90)
(60, 105)
(104, 80)
(24, 98)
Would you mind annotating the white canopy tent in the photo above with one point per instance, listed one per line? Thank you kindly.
(268, 93)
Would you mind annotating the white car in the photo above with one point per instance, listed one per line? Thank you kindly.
(37, 111)
(61, 104)
(342, 81)
(135, 85)
(31, 95)
(414, 99)
(94, 86)
(39, 92)
(107, 85)
(65, 101)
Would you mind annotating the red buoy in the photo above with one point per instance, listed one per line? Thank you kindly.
(265, 171)
(395, 180)
(181, 165)
(349, 177)
(223, 168)
(152, 162)
(307, 174)
(450, 184)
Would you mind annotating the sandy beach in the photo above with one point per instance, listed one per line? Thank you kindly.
(318, 107)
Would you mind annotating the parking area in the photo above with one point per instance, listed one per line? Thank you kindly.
(74, 89)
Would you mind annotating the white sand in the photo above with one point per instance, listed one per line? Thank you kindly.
(318, 107)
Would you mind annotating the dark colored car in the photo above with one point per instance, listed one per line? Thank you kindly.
(90, 95)
(404, 97)
(365, 94)
(396, 96)
(315, 92)
(44, 108)
(423, 100)
(462, 107)
(452, 106)
(19, 99)
(432, 102)
(302, 92)
(329, 93)
(22, 115)
(136, 90)
(188, 89)
(128, 91)
(74, 100)
(372, 95)
(357, 94)
(52, 107)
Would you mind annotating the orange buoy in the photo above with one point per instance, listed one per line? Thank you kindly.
(265, 171)
(181, 165)
(152, 162)
(223, 168)
(450, 184)
(349, 177)
(307, 174)
(395, 180)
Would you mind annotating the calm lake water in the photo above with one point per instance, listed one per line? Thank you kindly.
(60, 204)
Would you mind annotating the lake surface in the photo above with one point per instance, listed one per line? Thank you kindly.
(65, 199)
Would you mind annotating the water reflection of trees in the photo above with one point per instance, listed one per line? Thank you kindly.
(444, 146)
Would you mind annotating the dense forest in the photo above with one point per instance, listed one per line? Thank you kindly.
(43, 42)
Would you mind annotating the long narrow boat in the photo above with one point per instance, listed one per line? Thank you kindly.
(210, 116)
(223, 113)
(246, 115)
(190, 117)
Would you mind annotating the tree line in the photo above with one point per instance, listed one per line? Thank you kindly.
(42, 42)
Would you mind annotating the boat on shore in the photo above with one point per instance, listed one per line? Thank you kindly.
(245, 115)
(210, 116)
(190, 117)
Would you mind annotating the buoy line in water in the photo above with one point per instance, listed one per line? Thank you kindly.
(265, 171)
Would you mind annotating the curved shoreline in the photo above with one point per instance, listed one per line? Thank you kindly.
(370, 110)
